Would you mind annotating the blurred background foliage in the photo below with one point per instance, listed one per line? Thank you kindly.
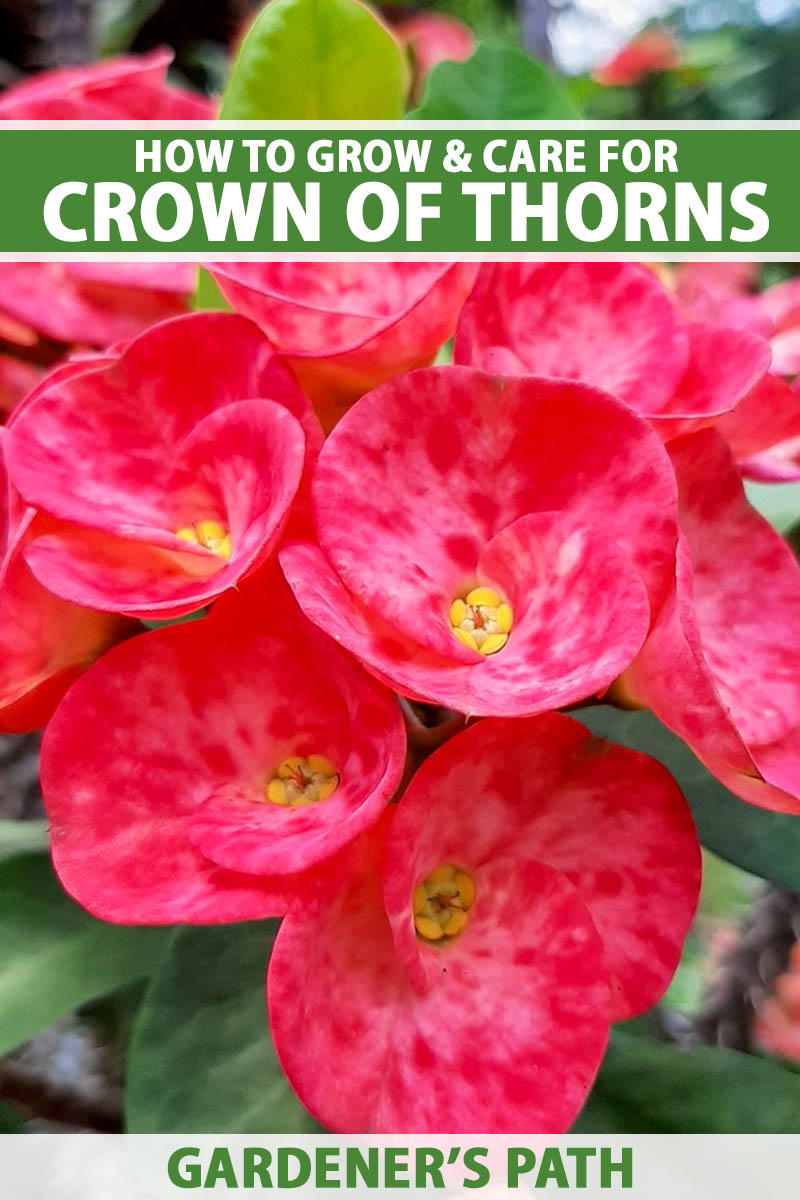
(180, 1012)
(737, 58)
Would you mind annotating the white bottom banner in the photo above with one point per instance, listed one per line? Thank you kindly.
(658, 1167)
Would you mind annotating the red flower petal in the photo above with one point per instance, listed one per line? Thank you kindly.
(61, 302)
(746, 592)
(611, 325)
(44, 642)
(763, 431)
(98, 304)
(724, 365)
(612, 820)
(118, 89)
(346, 326)
(241, 466)
(407, 524)
(562, 647)
(721, 666)
(397, 512)
(508, 1038)
(651, 51)
(155, 766)
(196, 445)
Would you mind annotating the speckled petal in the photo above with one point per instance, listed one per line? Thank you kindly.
(111, 449)
(345, 327)
(427, 469)
(611, 325)
(612, 820)
(154, 768)
(507, 1039)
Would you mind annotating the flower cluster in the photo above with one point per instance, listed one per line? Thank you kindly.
(410, 570)
(49, 310)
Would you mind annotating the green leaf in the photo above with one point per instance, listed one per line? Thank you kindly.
(10, 1119)
(119, 23)
(54, 956)
(22, 837)
(201, 1056)
(208, 297)
(778, 502)
(763, 843)
(649, 1087)
(312, 60)
(496, 83)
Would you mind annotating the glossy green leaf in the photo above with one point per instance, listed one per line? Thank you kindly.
(22, 837)
(763, 843)
(201, 1057)
(54, 956)
(497, 83)
(313, 60)
(778, 502)
(651, 1087)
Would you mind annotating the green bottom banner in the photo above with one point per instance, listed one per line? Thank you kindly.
(89, 1167)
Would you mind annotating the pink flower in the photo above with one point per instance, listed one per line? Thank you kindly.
(46, 308)
(88, 304)
(728, 298)
(467, 526)
(120, 89)
(763, 431)
(615, 326)
(649, 52)
(536, 883)
(198, 773)
(44, 642)
(721, 667)
(432, 38)
(163, 473)
(345, 327)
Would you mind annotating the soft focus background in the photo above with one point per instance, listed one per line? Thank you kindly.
(739, 983)
(734, 58)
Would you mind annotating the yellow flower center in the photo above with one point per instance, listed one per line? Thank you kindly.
(442, 903)
(481, 620)
(208, 534)
(300, 781)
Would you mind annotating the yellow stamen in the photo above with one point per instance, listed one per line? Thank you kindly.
(276, 792)
(441, 903)
(428, 929)
(483, 595)
(481, 620)
(458, 610)
(456, 923)
(289, 768)
(297, 782)
(505, 618)
(210, 535)
(466, 637)
(493, 643)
